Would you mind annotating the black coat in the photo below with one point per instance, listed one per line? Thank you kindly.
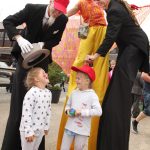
(33, 15)
(132, 42)
(122, 30)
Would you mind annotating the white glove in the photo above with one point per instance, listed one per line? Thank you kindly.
(41, 44)
(24, 44)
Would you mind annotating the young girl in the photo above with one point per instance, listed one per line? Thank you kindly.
(81, 106)
(36, 110)
(112, 66)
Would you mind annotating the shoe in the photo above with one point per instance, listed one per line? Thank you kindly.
(134, 126)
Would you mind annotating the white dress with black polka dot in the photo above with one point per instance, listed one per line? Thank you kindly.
(36, 111)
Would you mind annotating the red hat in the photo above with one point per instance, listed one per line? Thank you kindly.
(85, 69)
(61, 5)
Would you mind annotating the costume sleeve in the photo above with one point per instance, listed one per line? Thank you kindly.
(12, 21)
(114, 25)
(95, 109)
(28, 105)
(48, 115)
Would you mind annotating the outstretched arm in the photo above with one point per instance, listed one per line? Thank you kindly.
(73, 11)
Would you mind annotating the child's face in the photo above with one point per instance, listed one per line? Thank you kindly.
(82, 81)
(113, 64)
(42, 77)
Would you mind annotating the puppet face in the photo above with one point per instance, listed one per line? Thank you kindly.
(53, 11)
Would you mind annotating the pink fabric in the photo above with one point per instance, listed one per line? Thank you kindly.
(110, 74)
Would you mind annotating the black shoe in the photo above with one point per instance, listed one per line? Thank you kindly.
(134, 126)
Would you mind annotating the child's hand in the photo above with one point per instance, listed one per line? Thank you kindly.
(46, 132)
(68, 112)
(30, 138)
(78, 113)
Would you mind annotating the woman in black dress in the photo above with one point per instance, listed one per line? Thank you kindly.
(133, 45)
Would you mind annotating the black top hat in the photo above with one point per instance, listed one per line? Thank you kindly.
(35, 56)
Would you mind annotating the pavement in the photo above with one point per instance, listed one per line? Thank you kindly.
(139, 141)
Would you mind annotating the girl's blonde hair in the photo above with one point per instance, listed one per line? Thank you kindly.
(30, 78)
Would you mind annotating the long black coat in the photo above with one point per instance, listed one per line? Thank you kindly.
(132, 42)
(122, 30)
(32, 15)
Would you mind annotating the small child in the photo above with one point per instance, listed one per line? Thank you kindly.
(81, 106)
(112, 66)
(36, 110)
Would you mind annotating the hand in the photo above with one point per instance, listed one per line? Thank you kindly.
(90, 58)
(30, 138)
(70, 112)
(41, 44)
(46, 132)
(24, 44)
(67, 112)
(78, 113)
(89, 63)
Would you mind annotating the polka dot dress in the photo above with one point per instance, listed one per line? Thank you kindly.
(36, 111)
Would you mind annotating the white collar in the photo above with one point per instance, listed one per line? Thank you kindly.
(46, 13)
(88, 90)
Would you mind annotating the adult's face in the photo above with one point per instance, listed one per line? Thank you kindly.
(52, 11)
